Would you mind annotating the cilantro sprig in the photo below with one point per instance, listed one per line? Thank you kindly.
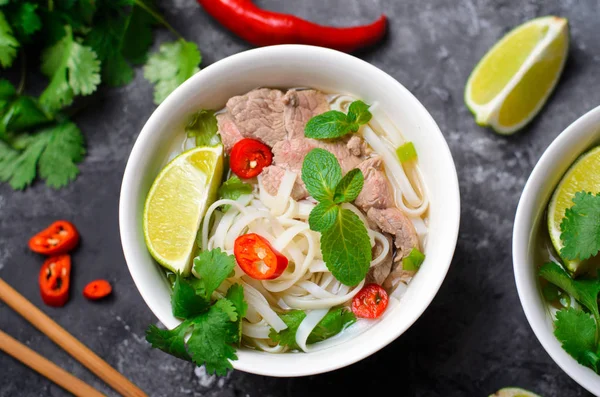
(335, 124)
(82, 44)
(213, 326)
(580, 228)
(345, 243)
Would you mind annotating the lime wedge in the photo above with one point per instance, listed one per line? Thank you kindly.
(176, 203)
(584, 174)
(513, 392)
(511, 83)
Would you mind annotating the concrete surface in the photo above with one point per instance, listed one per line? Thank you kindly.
(473, 339)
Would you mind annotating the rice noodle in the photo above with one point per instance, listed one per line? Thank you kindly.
(307, 325)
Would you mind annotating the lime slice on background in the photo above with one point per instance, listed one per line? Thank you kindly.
(176, 203)
(511, 83)
(584, 174)
(513, 392)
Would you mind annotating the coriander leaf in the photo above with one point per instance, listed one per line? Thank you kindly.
(173, 64)
(321, 173)
(233, 188)
(358, 113)
(576, 331)
(170, 341)
(349, 187)
(25, 20)
(7, 90)
(22, 170)
(185, 301)
(203, 127)
(8, 43)
(581, 227)
(138, 36)
(287, 337)
(64, 150)
(22, 114)
(73, 69)
(235, 294)
(332, 324)
(331, 124)
(323, 216)
(346, 248)
(585, 291)
(8, 156)
(213, 267)
(228, 308)
(211, 341)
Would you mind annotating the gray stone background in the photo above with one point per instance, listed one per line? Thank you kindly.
(471, 341)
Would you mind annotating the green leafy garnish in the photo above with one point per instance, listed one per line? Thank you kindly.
(580, 228)
(335, 124)
(585, 291)
(576, 331)
(8, 43)
(332, 324)
(213, 327)
(203, 127)
(232, 189)
(406, 152)
(413, 261)
(345, 243)
(173, 64)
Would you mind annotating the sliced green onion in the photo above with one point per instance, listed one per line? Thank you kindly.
(413, 261)
(406, 152)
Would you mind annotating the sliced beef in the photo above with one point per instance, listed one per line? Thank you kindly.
(392, 220)
(377, 191)
(378, 274)
(271, 178)
(301, 106)
(259, 115)
(398, 275)
(357, 146)
(229, 132)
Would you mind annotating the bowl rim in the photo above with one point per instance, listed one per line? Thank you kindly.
(452, 198)
(523, 225)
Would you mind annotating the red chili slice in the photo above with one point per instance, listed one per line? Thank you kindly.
(248, 158)
(370, 302)
(257, 258)
(97, 289)
(58, 238)
(55, 280)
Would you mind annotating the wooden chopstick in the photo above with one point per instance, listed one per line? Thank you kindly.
(45, 367)
(68, 342)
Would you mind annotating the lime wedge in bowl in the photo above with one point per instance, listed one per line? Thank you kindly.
(584, 174)
(176, 203)
(511, 83)
(513, 392)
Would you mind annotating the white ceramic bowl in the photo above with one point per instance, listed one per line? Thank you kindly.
(572, 142)
(330, 71)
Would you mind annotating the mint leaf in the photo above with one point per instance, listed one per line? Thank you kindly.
(585, 291)
(358, 113)
(170, 341)
(349, 187)
(203, 126)
(173, 64)
(213, 267)
(332, 324)
(211, 341)
(185, 301)
(576, 331)
(346, 248)
(8, 43)
(321, 173)
(335, 124)
(64, 150)
(581, 227)
(323, 216)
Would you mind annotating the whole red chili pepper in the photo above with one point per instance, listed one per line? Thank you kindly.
(58, 238)
(54, 280)
(262, 28)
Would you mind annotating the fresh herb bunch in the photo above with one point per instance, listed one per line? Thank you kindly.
(81, 44)
(345, 242)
